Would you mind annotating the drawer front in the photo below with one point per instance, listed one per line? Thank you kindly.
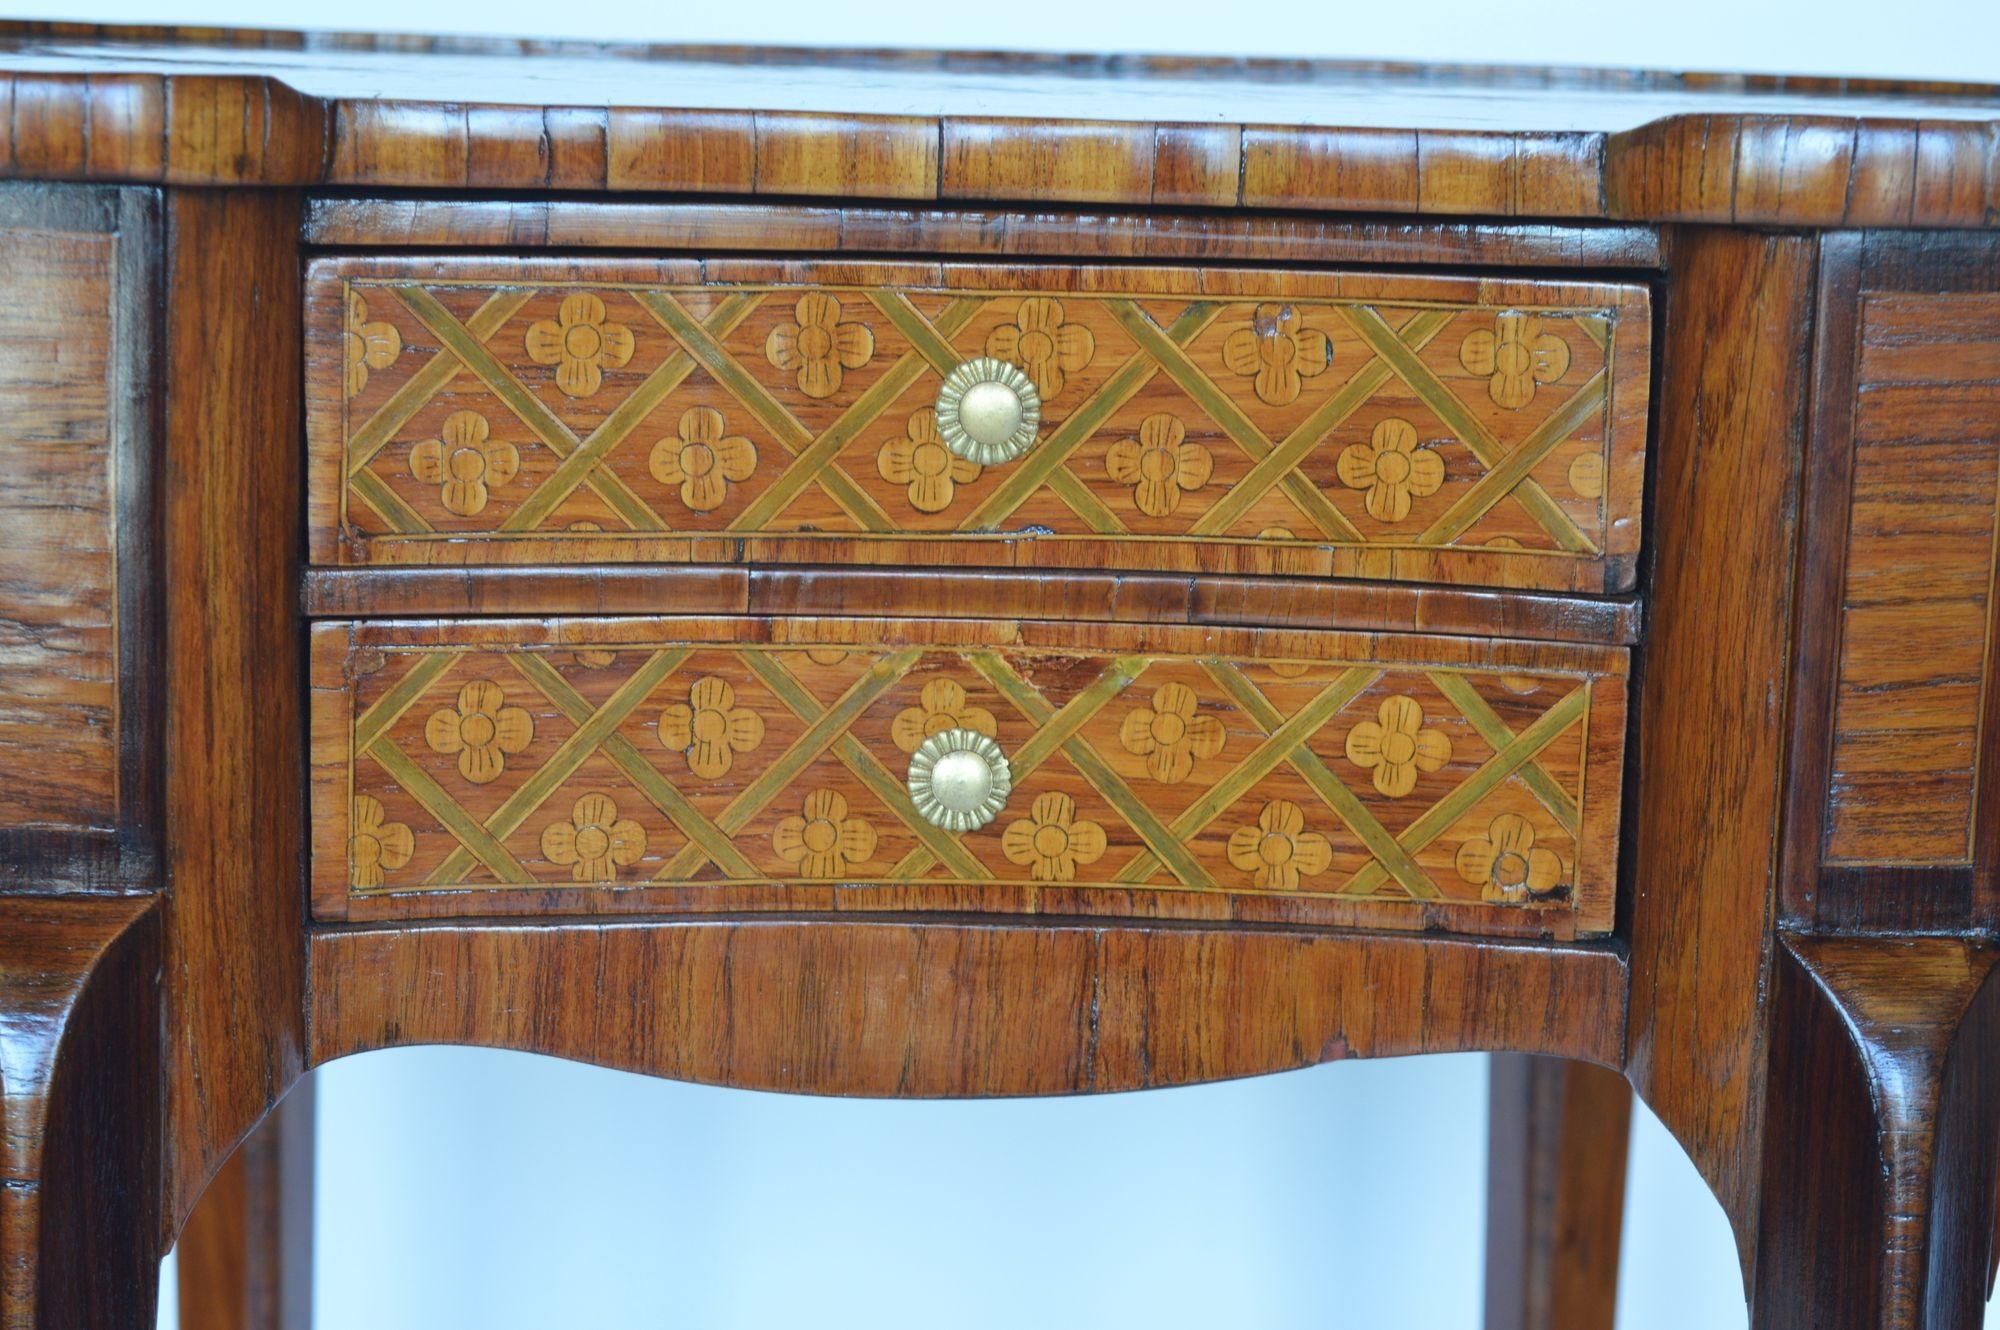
(549, 411)
(1385, 780)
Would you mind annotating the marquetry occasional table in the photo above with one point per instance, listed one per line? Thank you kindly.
(890, 573)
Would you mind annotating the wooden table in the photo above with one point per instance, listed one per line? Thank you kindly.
(949, 575)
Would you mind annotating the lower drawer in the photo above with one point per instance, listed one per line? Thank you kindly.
(585, 765)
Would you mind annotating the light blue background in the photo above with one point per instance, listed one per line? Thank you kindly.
(466, 1188)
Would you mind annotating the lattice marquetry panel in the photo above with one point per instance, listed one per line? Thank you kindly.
(1402, 427)
(742, 764)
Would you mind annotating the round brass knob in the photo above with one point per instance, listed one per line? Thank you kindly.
(988, 411)
(959, 780)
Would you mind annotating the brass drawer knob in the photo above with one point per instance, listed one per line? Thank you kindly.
(959, 780)
(988, 411)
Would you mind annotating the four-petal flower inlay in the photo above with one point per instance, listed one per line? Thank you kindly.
(376, 843)
(581, 342)
(481, 729)
(1044, 343)
(1171, 733)
(928, 471)
(1506, 864)
(1513, 357)
(941, 706)
(365, 344)
(702, 458)
(594, 842)
(709, 729)
(1277, 352)
(819, 346)
(464, 462)
(821, 840)
(1391, 468)
(1051, 841)
(1397, 745)
(1160, 465)
(1278, 850)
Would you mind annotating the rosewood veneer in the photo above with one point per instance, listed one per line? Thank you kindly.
(984, 575)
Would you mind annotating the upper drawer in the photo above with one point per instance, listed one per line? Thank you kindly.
(548, 411)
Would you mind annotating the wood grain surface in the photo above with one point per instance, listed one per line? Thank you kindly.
(1907, 724)
(377, 223)
(729, 764)
(1881, 1158)
(1893, 821)
(234, 756)
(78, 693)
(1558, 1132)
(953, 1009)
(1712, 753)
(721, 410)
(245, 1255)
(277, 108)
(80, 1095)
(1156, 598)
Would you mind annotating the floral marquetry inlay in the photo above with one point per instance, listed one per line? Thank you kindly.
(1051, 842)
(594, 843)
(819, 345)
(1167, 772)
(701, 459)
(709, 728)
(1245, 422)
(377, 843)
(928, 471)
(1586, 476)
(1172, 734)
(464, 462)
(366, 344)
(1160, 465)
(1397, 745)
(1507, 864)
(821, 840)
(1277, 850)
(943, 705)
(581, 341)
(1277, 352)
(481, 730)
(1514, 357)
(1044, 343)
(1391, 469)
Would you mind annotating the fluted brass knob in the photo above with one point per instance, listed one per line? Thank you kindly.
(988, 411)
(959, 780)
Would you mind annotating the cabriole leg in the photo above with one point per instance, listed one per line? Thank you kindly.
(79, 1113)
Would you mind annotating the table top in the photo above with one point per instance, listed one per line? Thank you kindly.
(947, 84)
(357, 110)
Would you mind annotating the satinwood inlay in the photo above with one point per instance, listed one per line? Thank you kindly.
(719, 763)
(1409, 428)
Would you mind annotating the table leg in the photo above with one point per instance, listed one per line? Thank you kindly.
(80, 1224)
(1880, 1152)
(246, 1251)
(1555, 1198)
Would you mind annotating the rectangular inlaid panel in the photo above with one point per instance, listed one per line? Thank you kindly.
(1917, 605)
(550, 411)
(58, 663)
(728, 764)
(78, 805)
